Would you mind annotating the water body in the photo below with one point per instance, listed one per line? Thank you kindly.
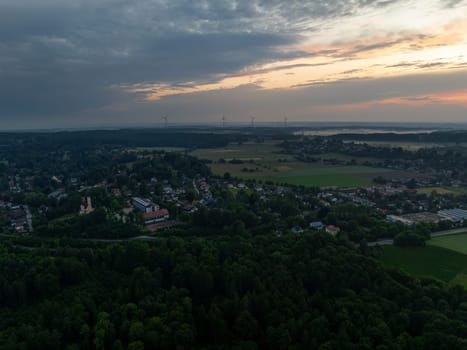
(362, 131)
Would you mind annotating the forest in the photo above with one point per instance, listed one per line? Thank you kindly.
(307, 291)
(185, 137)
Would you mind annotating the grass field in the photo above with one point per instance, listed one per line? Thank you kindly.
(267, 152)
(264, 162)
(443, 190)
(431, 261)
(319, 175)
(457, 242)
(166, 149)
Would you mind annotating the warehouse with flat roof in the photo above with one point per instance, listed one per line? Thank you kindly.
(454, 214)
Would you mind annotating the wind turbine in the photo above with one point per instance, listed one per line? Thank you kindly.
(223, 121)
(285, 120)
(165, 118)
(252, 117)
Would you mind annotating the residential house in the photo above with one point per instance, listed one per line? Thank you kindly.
(316, 225)
(156, 216)
(333, 230)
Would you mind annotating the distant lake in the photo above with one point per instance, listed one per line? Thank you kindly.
(337, 131)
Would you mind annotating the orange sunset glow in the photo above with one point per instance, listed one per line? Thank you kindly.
(434, 51)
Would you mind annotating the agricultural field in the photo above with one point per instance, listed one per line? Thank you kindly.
(456, 242)
(431, 261)
(265, 162)
(443, 190)
(150, 149)
(345, 157)
(267, 152)
(322, 175)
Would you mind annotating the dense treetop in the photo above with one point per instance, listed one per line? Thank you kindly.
(290, 292)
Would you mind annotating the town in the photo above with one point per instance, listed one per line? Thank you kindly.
(122, 192)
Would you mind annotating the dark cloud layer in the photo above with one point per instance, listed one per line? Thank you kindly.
(63, 59)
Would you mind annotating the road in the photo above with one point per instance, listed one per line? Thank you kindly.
(29, 218)
(113, 240)
(195, 187)
(434, 234)
(381, 242)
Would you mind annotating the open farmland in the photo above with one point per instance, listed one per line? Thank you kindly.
(161, 148)
(457, 242)
(443, 190)
(431, 261)
(264, 161)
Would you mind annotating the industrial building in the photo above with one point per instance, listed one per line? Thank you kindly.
(456, 215)
(144, 205)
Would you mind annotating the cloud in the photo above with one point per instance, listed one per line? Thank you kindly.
(68, 60)
(351, 99)
(370, 47)
(453, 3)
(70, 64)
(65, 56)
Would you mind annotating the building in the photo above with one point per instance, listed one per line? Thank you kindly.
(297, 229)
(333, 230)
(18, 219)
(144, 205)
(17, 212)
(116, 191)
(456, 215)
(86, 206)
(395, 218)
(156, 216)
(316, 225)
(415, 218)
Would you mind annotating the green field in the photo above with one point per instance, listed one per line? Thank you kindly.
(443, 190)
(431, 261)
(456, 242)
(267, 153)
(265, 162)
(319, 175)
(150, 149)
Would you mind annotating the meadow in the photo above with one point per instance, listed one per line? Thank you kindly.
(157, 148)
(431, 261)
(456, 242)
(264, 162)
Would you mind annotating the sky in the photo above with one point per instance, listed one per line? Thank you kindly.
(87, 63)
